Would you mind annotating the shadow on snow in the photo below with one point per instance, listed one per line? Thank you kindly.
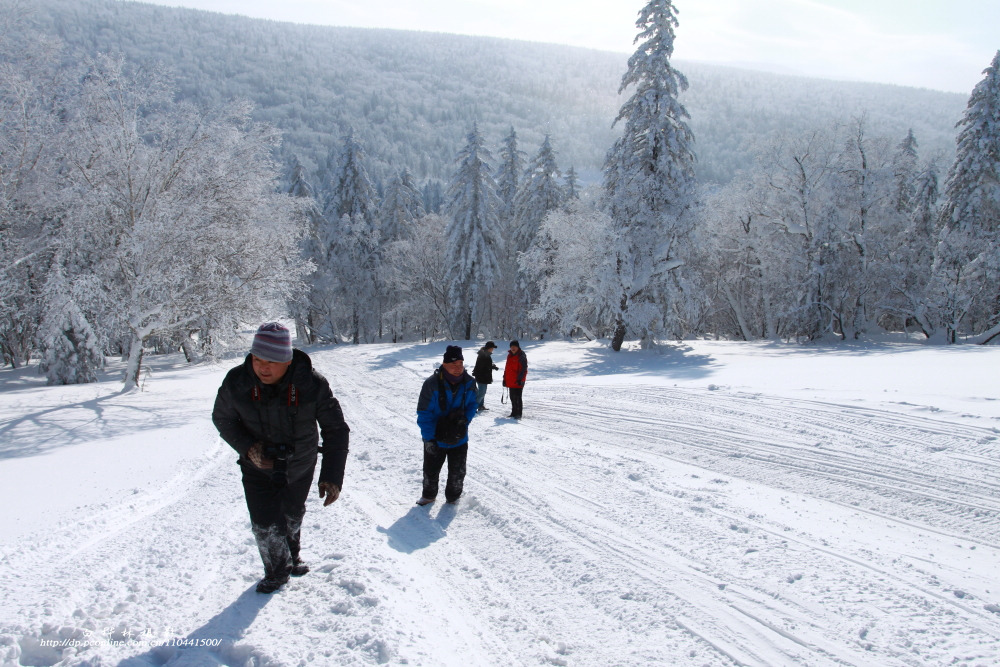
(214, 643)
(417, 529)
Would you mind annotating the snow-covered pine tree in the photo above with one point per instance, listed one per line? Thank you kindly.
(905, 172)
(325, 178)
(473, 240)
(507, 298)
(300, 186)
(926, 193)
(571, 186)
(649, 179)
(433, 196)
(353, 193)
(401, 205)
(360, 285)
(354, 257)
(312, 250)
(71, 352)
(541, 192)
(509, 179)
(972, 210)
(972, 188)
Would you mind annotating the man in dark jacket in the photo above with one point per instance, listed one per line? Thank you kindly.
(267, 409)
(483, 372)
(515, 372)
(448, 402)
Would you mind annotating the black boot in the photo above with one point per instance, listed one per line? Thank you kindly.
(269, 585)
(299, 568)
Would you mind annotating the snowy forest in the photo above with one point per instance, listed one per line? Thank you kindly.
(147, 208)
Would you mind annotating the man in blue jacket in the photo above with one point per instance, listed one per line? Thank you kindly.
(448, 402)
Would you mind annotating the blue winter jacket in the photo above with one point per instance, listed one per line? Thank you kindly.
(429, 409)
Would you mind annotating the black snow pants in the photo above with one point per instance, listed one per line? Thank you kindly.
(515, 401)
(276, 514)
(434, 458)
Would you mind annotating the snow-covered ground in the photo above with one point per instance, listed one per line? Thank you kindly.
(706, 504)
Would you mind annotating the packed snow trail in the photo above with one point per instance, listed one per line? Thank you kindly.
(631, 522)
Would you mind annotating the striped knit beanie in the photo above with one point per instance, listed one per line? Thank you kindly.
(272, 342)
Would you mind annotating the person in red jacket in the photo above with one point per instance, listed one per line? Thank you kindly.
(515, 371)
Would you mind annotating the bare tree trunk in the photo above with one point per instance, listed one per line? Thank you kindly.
(620, 328)
(738, 314)
(134, 366)
(619, 337)
(187, 346)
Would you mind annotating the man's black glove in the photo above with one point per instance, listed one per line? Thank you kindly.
(329, 490)
(256, 456)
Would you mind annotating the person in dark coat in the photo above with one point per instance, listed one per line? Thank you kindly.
(515, 371)
(483, 372)
(268, 409)
(447, 404)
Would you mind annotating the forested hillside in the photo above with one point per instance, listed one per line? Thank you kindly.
(440, 190)
(411, 97)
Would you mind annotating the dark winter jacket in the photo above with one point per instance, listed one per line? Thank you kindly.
(458, 396)
(248, 411)
(515, 371)
(483, 372)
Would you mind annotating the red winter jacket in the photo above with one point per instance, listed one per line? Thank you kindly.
(515, 370)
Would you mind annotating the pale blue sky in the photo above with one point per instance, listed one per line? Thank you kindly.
(940, 44)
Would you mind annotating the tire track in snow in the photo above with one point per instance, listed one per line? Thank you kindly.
(382, 481)
(530, 593)
(688, 595)
(552, 420)
(955, 490)
(527, 541)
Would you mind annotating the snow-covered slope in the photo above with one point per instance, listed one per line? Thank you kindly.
(708, 504)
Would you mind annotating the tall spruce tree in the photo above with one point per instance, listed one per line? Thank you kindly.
(353, 192)
(968, 256)
(649, 180)
(509, 178)
(540, 193)
(972, 188)
(355, 256)
(572, 185)
(401, 205)
(905, 172)
(313, 250)
(473, 232)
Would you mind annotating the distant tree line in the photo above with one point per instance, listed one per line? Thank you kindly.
(411, 97)
(130, 221)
